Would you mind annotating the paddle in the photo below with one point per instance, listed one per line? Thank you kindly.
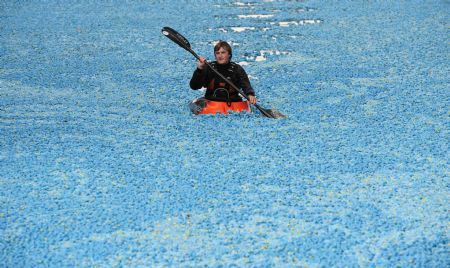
(184, 43)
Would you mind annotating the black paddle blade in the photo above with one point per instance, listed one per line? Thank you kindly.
(270, 113)
(273, 114)
(176, 37)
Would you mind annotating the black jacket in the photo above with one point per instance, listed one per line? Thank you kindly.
(216, 88)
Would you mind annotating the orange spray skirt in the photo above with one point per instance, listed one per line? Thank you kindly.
(213, 107)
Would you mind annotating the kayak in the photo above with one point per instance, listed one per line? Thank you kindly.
(204, 106)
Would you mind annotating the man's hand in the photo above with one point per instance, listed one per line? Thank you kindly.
(252, 99)
(201, 63)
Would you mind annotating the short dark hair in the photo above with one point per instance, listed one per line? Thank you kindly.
(224, 45)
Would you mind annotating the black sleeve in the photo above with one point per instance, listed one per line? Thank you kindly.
(198, 79)
(244, 82)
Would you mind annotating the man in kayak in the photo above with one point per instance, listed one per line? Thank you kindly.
(220, 97)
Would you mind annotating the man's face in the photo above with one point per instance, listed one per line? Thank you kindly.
(222, 56)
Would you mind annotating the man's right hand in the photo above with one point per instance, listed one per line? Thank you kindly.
(201, 63)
